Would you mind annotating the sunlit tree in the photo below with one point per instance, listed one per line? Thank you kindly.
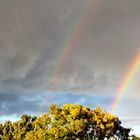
(68, 122)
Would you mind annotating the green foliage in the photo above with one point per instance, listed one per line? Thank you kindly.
(70, 122)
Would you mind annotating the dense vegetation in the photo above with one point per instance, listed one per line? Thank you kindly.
(70, 122)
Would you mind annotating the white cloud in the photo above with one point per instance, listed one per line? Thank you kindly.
(12, 118)
(135, 130)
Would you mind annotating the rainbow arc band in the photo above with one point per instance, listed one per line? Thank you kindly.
(127, 80)
(71, 39)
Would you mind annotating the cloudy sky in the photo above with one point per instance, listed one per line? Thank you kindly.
(33, 35)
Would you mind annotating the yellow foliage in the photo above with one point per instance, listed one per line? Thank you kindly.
(71, 121)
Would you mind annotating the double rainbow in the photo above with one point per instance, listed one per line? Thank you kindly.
(70, 44)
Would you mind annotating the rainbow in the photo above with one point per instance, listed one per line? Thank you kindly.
(72, 38)
(126, 82)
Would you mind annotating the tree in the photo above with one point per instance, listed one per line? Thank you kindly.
(78, 122)
(69, 122)
(7, 131)
(22, 127)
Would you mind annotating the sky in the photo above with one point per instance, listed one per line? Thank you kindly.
(33, 35)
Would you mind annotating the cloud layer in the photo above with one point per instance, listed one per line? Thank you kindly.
(33, 33)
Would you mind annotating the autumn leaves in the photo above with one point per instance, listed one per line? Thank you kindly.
(69, 122)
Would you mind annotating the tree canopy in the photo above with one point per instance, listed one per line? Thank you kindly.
(68, 122)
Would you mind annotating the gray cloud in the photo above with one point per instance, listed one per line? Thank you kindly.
(11, 104)
(32, 33)
(16, 104)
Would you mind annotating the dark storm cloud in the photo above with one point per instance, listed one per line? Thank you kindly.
(36, 104)
(30, 36)
(25, 34)
(16, 104)
(33, 32)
